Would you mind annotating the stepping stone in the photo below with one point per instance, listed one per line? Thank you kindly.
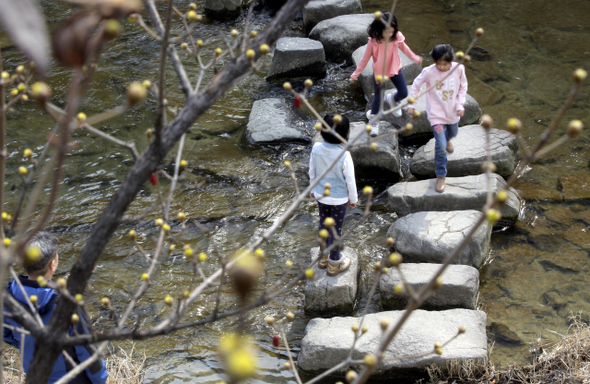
(327, 341)
(223, 8)
(382, 164)
(332, 294)
(422, 130)
(319, 10)
(429, 237)
(274, 121)
(341, 35)
(461, 193)
(411, 71)
(470, 153)
(459, 289)
(297, 57)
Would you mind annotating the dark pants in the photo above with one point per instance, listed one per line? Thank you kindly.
(336, 212)
(402, 91)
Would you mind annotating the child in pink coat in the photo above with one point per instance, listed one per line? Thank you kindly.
(444, 104)
(377, 31)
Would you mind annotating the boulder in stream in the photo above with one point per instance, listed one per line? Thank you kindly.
(319, 10)
(461, 193)
(223, 8)
(327, 342)
(341, 35)
(274, 121)
(332, 294)
(470, 153)
(460, 284)
(297, 57)
(430, 236)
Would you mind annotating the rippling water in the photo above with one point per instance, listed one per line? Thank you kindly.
(538, 270)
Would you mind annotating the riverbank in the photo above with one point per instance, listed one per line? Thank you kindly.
(567, 361)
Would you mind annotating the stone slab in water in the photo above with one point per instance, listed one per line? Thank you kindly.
(460, 284)
(327, 341)
(223, 8)
(297, 57)
(332, 295)
(319, 10)
(422, 130)
(430, 236)
(382, 164)
(461, 193)
(341, 35)
(274, 121)
(411, 71)
(470, 153)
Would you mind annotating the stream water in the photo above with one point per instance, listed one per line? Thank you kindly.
(537, 271)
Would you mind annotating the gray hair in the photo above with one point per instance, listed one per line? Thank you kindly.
(46, 243)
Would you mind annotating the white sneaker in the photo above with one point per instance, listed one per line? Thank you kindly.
(368, 114)
(374, 123)
(389, 98)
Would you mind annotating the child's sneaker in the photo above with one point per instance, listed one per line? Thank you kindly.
(374, 123)
(323, 263)
(450, 147)
(368, 114)
(440, 185)
(339, 266)
(389, 98)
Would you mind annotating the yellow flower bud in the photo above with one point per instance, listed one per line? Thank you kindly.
(487, 121)
(166, 227)
(351, 376)
(308, 83)
(326, 192)
(21, 87)
(168, 300)
(250, 54)
(502, 196)
(378, 15)
(193, 16)
(514, 125)
(493, 215)
(287, 86)
(40, 92)
(329, 222)
(395, 259)
(159, 222)
(217, 52)
(574, 128)
(192, 6)
(136, 93)
(22, 170)
(389, 242)
(324, 234)
(409, 127)
(398, 289)
(370, 360)
(462, 329)
(172, 247)
(270, 320)
(28, 153)
(61, 282)
(147, 84)
(479, 32)
(309, 274)
(579, 75)
(6, 242)
(368, 128)
(181, 216)
(202, 257)
(132, 234)
(112, 29)
(188, 252)
(253, 34)
(437, 284)
(373, 146)
(41, 281)
(234, 33)
(459, 55)
(355, 328)
(105, 301)
(411, 100)
(290, 316)
(288, 263)
(199, 43)
(259, 253)
(318, 126)
(145, 277)
(184, 46)
(384, 323)
(33, 299)
(264, 49)
(287, 163)
(33, 254)
(368, 191)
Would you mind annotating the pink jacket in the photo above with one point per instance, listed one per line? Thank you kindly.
(445, 100)
(376, 50)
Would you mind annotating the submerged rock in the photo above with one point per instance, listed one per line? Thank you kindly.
(332, 294)
(297, 57)
(381, 164)
(460, 284)
(341, 35)
(410, 69)
(470, 153)
(319, 10)
(274, 121)
(429, 237)
(327, 342)
(223, 8)
(461, 193)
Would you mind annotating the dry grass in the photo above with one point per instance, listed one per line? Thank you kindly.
(125, 366)
(566, 362)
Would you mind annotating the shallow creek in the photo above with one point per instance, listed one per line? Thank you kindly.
(537, 271)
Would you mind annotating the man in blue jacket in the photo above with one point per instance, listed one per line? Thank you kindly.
(46, 299)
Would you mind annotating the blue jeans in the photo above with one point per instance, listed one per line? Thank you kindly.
(402, 91)
(442, 134)
(336, 212)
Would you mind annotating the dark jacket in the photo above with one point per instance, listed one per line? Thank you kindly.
(96, 373)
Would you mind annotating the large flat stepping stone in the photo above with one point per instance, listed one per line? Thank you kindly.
(430, 236)
(411, 71)
(319, 10)
(328, 341)
(297, 57)
(459, 289)
(384, 163)
(332, 294)
(422, 130)
(274, 121)
(341, 35)
(461, 193)
(470, 153)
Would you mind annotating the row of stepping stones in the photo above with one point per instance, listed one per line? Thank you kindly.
(431, 224)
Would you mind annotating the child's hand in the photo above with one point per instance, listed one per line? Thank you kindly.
(352, 205)
(420, 62)
(410, 111)
(352, 80)
(459, 113)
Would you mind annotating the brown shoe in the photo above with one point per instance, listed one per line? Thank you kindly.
(440, 184)
(450, 147)
(336, 268)
(323, 263)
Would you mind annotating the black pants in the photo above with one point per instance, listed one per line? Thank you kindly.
(336, 212)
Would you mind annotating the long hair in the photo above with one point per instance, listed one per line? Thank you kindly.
(376, 28)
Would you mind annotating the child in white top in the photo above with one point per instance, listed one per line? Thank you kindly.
(444, 104)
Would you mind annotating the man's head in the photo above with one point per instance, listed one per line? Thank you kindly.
(46, 264)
